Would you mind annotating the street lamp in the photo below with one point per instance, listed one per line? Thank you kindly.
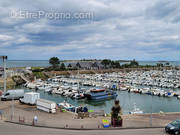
(151, 106)
(4, 58)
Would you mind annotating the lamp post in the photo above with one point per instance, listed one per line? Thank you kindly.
(12, 106)
(4, 58)
(151, 106)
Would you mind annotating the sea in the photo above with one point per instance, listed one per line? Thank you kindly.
(45, 63)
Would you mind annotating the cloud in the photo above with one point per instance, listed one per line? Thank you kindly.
(5, 38)
(118, 29)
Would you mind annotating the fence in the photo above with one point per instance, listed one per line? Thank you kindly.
(23, 120)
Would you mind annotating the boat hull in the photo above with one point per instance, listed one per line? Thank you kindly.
(101, 97)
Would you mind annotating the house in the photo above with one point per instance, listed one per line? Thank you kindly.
(97, 65)
(86, 65)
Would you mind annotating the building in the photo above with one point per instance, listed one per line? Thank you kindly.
(86, 65)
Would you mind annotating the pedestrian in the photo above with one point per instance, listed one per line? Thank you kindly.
(35, 119)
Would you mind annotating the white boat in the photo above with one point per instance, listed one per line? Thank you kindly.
(78, 96)
(66, 106)
(136, 110)
(169, 94)
(31, 85)
(47, 89)
(68, 92)
(123, 88)
(40, 87)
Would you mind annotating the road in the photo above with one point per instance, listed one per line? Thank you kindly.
(13, 129)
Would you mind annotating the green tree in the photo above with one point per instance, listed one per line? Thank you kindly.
(117, 64)
(54, 61)
(78, 65)
(160, 65)
(134, 63)
(69, 66)
(106, 62)
(167, 64)
(112, 64)
(62, 67)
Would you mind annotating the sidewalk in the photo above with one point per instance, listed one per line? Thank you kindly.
(66, 119)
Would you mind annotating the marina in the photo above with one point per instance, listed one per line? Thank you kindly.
(152, 91)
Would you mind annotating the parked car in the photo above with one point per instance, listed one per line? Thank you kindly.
(173, 127)
(13, 94)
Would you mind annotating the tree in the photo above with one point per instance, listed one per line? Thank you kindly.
(134, 63)
(106, 62)
(167, 64)
(112, 64)
(54, 61)
(160, 65)
(69, 66)
(78, 65)
(117, 64)
(62, 67)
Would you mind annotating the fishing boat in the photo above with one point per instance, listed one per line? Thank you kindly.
(100, 94)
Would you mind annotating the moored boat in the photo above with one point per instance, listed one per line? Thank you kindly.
(136, 110)
(100, 94)
(67, 106)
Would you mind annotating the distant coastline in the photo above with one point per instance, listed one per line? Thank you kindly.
(45, 63)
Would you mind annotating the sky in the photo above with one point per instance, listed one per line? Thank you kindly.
(90, 29)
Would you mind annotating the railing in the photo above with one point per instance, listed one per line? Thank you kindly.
(22, 120)
(19, 74)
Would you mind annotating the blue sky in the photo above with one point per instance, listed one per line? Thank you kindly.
(117, 29)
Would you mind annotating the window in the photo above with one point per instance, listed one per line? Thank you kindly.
(7, 94)
(175, 123)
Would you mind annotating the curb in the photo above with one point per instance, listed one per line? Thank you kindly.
(114, 128)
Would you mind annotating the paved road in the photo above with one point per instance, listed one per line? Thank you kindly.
(13, 129)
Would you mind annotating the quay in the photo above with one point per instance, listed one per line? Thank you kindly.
(24, 114)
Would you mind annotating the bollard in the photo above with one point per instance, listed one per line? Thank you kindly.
(23, 119)
(82, 126)
(98, 126)
(33, 122)
(66, 126)
(1, 114)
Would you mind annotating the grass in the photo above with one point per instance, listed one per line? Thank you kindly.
(39, 75)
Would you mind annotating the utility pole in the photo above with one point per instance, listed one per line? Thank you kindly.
(4, 58)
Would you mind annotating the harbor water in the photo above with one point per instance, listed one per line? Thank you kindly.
(127, 100)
